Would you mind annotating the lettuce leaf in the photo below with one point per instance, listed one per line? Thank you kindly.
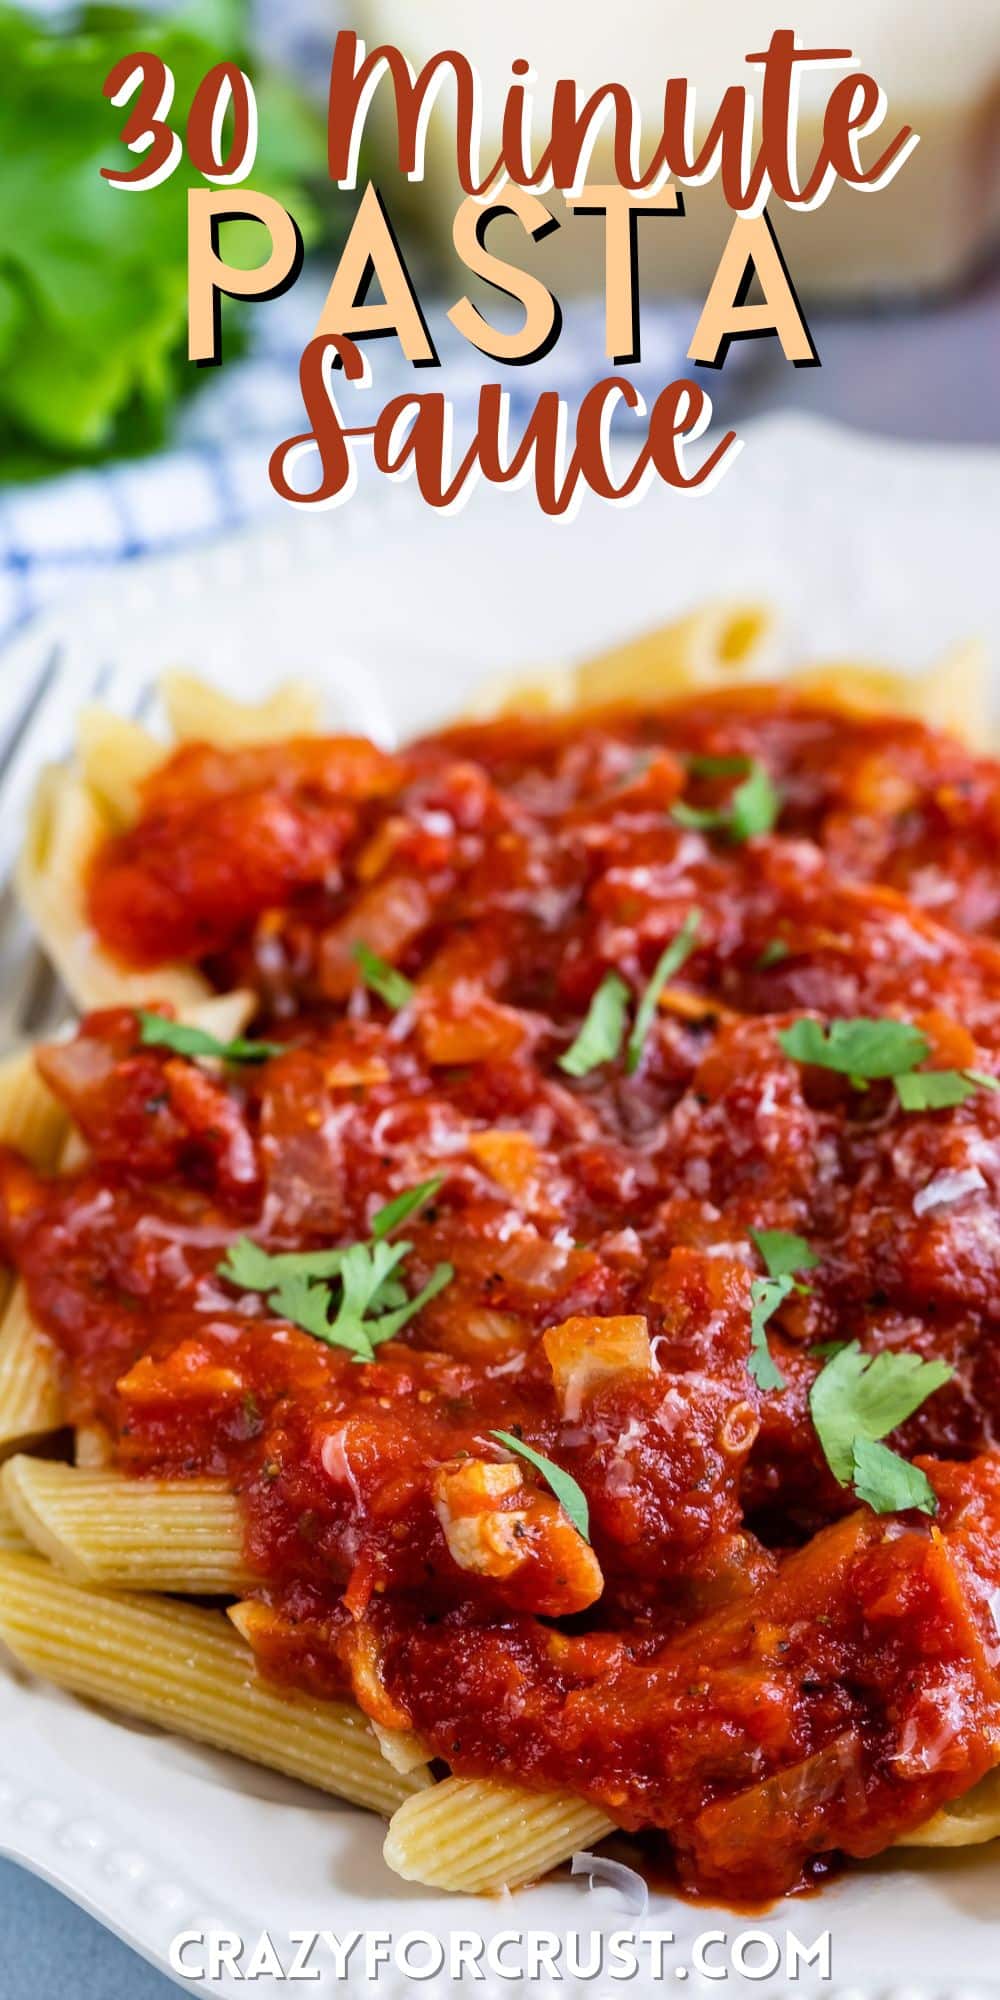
(93, 308)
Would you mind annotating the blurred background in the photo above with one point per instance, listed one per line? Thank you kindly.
(112, 447)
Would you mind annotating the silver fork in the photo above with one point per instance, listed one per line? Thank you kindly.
(38, 728)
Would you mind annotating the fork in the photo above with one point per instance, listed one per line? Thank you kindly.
(37, 728)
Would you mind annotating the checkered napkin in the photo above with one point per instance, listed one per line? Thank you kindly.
(62, 535)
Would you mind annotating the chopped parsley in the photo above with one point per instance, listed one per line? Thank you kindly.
(406, 1204)
(600, 1037)
(570, 1496)
(888, 1483)
(670, 961)
(865, 1049)
(856, 1400)
(766, 1295)
(858, 1049)
(351, 1297)
(156, 1032)
(783, 1253)
(939, 1089)
(753, 808)
(774, 951)
(391, 986)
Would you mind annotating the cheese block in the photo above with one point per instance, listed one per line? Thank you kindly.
(940, 69)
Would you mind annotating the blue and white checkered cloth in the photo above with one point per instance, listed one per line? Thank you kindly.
(59, 536)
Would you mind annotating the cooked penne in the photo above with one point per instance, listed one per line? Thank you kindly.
(34, 1121)
(153, 1534)
(718, 642)
(115, 756)
(12, 1541)
(966, 1822)
(65, 826)
(186, 1669)
(30, 1117)
(953, 695)
(31, 1402)
(480, 1836)
(196, 711)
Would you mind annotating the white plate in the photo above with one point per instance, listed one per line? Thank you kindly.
(867, 548)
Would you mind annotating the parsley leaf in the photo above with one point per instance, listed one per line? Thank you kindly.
(783, 1252)
(305, 1304)
(254, 1269)
(389, 1324)
(156, 1032)
(766, 1295)
(391, 986)
(373, 1304)
(395, 1212)
(570, 1496)
(774, 951)
(858, 1049)
(888, 1483)
(862, 1397)
(863, 1049)
(600, 1037)
(670, 961)
(939, 1089)
(753, 808)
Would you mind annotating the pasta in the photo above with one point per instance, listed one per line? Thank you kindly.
(204, 714)
(71, 1608)
(187, 1670)
(30, 1117)
(30, 1383)
(30, 1395)
(481, 1837)
(65, 827)
(12, 1541)
(171, 1535)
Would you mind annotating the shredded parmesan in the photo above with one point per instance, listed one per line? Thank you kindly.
(946, 1188)
(630, 1884)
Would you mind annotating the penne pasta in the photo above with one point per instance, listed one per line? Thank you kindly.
(187, 1670)
(966, 1822)
(954, 695)
(717, 642)
(12, 1541)
(481, 1837)
(30, 1377)
(115, 756)
(65, 825)
(92, 1446)
(196, 711)
(31, 1118)
(100, 1527)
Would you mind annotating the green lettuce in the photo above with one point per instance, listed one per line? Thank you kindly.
(93, 280)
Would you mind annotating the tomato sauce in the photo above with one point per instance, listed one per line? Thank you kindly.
(740, 1656)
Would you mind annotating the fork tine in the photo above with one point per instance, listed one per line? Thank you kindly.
(24, 715)
(38, 729)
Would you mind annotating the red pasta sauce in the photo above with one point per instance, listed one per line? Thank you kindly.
(742, 1655)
